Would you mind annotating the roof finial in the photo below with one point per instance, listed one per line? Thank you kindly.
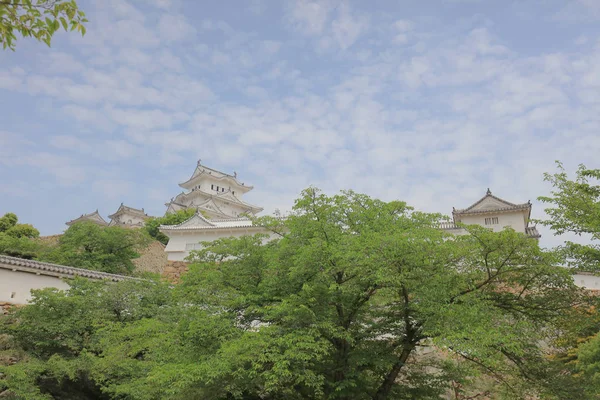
(488, 191)
(199, 161)
(234, 174)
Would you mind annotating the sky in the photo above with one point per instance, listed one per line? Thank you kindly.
(430, 102)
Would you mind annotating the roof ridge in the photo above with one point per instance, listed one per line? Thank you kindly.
(61, 269)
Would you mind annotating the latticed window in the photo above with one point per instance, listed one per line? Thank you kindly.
(193, 246)
(491, 221)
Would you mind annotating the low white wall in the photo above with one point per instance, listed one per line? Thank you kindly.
(177, 247)
(15, 286)
(586, 281)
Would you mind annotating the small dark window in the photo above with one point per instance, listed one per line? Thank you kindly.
(222, 189)
(232, 192)
(217, 188)
(212, 187)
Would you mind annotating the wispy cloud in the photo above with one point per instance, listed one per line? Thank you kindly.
(396, 102)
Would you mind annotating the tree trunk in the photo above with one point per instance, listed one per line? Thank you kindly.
(384, 390)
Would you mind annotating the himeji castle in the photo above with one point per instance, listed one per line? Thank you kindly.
(217, 198)
(220, 211)
(214, 193)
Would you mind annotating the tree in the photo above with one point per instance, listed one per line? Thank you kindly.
(576, 209)
(39, 19)
(357, 299)
(15, 238)
(109, 249)
(53, 338)
(177, 217)
(7, 221)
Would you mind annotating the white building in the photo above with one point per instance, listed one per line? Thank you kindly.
(188, 235)
(216, 197)
(215, 193)
(94, 217)
(19, 276)
(128, 217)
(494, 213)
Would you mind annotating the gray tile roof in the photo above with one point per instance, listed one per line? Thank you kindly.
(59, 271)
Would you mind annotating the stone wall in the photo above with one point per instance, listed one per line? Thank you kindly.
(4, 307)
(152, 259)
(174, 269)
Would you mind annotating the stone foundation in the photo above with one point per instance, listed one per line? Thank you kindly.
(5, 307)
(173, 270)
(152, 259)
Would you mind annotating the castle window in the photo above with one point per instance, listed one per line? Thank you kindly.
(491, 221)
(212, 187)
(233, 193)
(222, 189)
(217, 188)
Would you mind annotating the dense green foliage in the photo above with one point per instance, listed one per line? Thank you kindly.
(576, 209)
(90, 246)
(39, 19)
(175, 218)
(83, 245)
(15, 238)
(356, 299)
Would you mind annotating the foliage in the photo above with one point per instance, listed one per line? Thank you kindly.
(356, 299)
(39, 19)
(21, 247)
(62, 328)
(109, 249)
(576, 209)
(175, 218)
(7, 221)
(15, 238)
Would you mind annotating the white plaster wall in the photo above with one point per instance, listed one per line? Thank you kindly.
(135, 220)
(21, 283)
(587, 281)
(176, 248)
(514, 220)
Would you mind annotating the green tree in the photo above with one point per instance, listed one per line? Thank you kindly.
(54, 338)
(175, 218)
(15, 238)
(355, 299)
(576, 209)
(7, 221)
(23, 231)
(39, 19)
(109, 249)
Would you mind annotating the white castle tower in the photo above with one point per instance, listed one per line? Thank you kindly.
(214, 193)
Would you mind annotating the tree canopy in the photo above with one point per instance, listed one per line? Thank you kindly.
(15, 238)
(175, 218)
(576, 209)
(355, 299)
(39, 19)
(109, 249)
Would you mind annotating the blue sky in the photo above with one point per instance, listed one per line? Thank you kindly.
(430, 102)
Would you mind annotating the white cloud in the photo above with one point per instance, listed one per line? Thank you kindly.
(174, 28)
(72, 143)
(310, 17)
(347, 27)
